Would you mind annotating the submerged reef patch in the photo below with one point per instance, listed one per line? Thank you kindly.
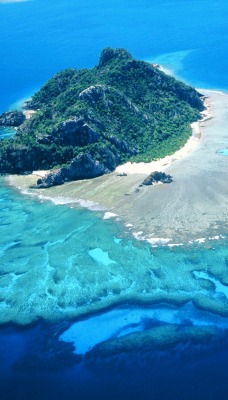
(54, 267)
(161, 325)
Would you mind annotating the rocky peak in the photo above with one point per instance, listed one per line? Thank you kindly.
(109, 54)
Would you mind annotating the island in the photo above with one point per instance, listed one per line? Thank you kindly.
(87, 122)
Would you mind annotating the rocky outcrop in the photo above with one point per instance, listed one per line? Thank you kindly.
(56, 177)
(82, 167)
(156, 177)
(76, 132)
(12, 118)
(94, 93)
(189, 94)
(72, 132)
(108, 96)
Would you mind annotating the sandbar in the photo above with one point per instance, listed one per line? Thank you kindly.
(193, 208)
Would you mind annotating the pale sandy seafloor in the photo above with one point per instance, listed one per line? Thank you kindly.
(193, 208)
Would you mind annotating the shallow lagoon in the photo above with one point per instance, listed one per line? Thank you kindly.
(62, 262)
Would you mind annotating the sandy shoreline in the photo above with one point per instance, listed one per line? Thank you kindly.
(189, 210)
(164, 163)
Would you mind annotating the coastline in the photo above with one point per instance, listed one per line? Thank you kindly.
(188, 211)
(163, 163)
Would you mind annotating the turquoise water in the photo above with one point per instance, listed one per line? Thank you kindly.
(64, 267)
(7, 133)
(223, 152)
(61, 262)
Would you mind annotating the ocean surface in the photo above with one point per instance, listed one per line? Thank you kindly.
(86, 311)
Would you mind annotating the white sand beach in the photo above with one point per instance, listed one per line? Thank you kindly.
(192, 208)
(164, 163)
(28, 113)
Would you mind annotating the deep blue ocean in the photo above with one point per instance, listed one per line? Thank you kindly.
(59, 262)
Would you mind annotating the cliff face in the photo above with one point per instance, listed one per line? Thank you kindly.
(72, 132)
(89, 121)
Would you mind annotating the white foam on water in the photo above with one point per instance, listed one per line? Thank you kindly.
(138, 235)
(109, 215)
(61, 200)
(58, 200)
(175, 244)
(158, 241)
(200, 240)
(153, 241)
(90, 205)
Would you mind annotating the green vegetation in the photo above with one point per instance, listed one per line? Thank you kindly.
(120, 110)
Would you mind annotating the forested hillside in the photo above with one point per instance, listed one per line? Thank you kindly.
(122, 109)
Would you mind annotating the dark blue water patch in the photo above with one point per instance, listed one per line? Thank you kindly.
(36, 365)
(7, 132)
(223, 152)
